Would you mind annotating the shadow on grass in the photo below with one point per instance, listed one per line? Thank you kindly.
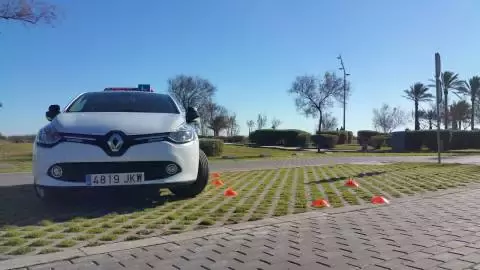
(335, 179)
(19, 206)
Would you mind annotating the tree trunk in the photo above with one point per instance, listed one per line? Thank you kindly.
(430, 123)
(319, 130)
(417, 122)
(472, 119)
(445, 93)
(215, 132)
(320, 123)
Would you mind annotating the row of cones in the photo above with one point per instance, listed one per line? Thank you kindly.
(229, 192)
(353, 184)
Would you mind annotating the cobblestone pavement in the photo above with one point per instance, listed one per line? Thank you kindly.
(436, 232)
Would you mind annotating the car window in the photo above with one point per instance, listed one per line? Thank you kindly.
(123, 102)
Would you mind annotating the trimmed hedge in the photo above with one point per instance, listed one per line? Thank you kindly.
(211, 147)
(285, 137)
(303, 139)
(327, 141)
(365, 135)
(450, 139)
(344, 137)
(228, 139)
(377, 141)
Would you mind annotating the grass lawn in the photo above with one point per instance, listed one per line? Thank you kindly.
(29, 227)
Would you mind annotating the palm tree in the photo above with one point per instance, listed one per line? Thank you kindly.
(471, 88)
(428, 115)
(449, 81)
(417, 93)
(459, 113)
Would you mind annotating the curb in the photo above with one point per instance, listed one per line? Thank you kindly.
(28, 261)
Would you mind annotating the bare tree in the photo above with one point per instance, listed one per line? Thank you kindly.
(261, 121)
(233, 128)
(28, 11)
(216, 118)
(329, 122)
(386, 119)
(275, 123)
(250, 125)
(191, 91)
(314, 97)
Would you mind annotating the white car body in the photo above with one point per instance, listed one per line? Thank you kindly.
(115, 143)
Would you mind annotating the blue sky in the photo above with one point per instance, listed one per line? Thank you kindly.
(251, 50)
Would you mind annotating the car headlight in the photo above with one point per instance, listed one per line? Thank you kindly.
(48, 136)
(185, 133)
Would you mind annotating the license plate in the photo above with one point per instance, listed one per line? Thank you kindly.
(115, 179)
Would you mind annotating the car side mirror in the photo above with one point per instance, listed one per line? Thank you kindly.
(53, 111)
(192, 114)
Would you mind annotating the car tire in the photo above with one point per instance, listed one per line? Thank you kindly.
(200, 183)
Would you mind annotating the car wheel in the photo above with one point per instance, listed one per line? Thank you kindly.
(199, 185)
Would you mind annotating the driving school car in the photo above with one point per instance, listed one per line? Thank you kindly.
(119, 138)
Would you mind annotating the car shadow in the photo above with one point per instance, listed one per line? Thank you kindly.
(19, 206)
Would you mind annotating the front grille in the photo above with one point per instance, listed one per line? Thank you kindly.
(76, 172)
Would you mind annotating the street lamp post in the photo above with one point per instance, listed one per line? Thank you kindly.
(345, 74)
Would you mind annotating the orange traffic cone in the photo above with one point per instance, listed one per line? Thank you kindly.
(217, 183)
(379, 200)
(351, 183)
(320, 203)
(216, 175)
(229, 192)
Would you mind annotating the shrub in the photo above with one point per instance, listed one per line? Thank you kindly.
(365, 135)
(303, 139)
(378, 141)
(211, 147)
(285, 137)
(414, 140)
(325, 140)
(344, 137)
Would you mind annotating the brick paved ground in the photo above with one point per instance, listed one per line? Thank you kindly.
(441, 232)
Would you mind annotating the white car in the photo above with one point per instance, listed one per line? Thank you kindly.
(119, 138)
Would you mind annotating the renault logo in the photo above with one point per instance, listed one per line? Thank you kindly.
(115, 142)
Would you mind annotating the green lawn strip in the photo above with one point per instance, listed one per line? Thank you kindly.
(425, 179)
(299, 199)
(280, 201)
(346, 193)
(386, 181)
(215, 212)
(349, 171)
(265, 207)
(187, 218)
(224, 204)
(400, 178)
(365, 183)
(442, 177)
(316, 189)
(237, 207)
(261, 193)
(306, 177)
(410, 177)
(293, 191)
(333, 195)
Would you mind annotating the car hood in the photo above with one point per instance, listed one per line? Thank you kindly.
(129, 123)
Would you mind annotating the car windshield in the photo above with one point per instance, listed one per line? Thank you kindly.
(123, 102)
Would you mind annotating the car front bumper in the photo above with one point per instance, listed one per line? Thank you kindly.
(78, 160)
